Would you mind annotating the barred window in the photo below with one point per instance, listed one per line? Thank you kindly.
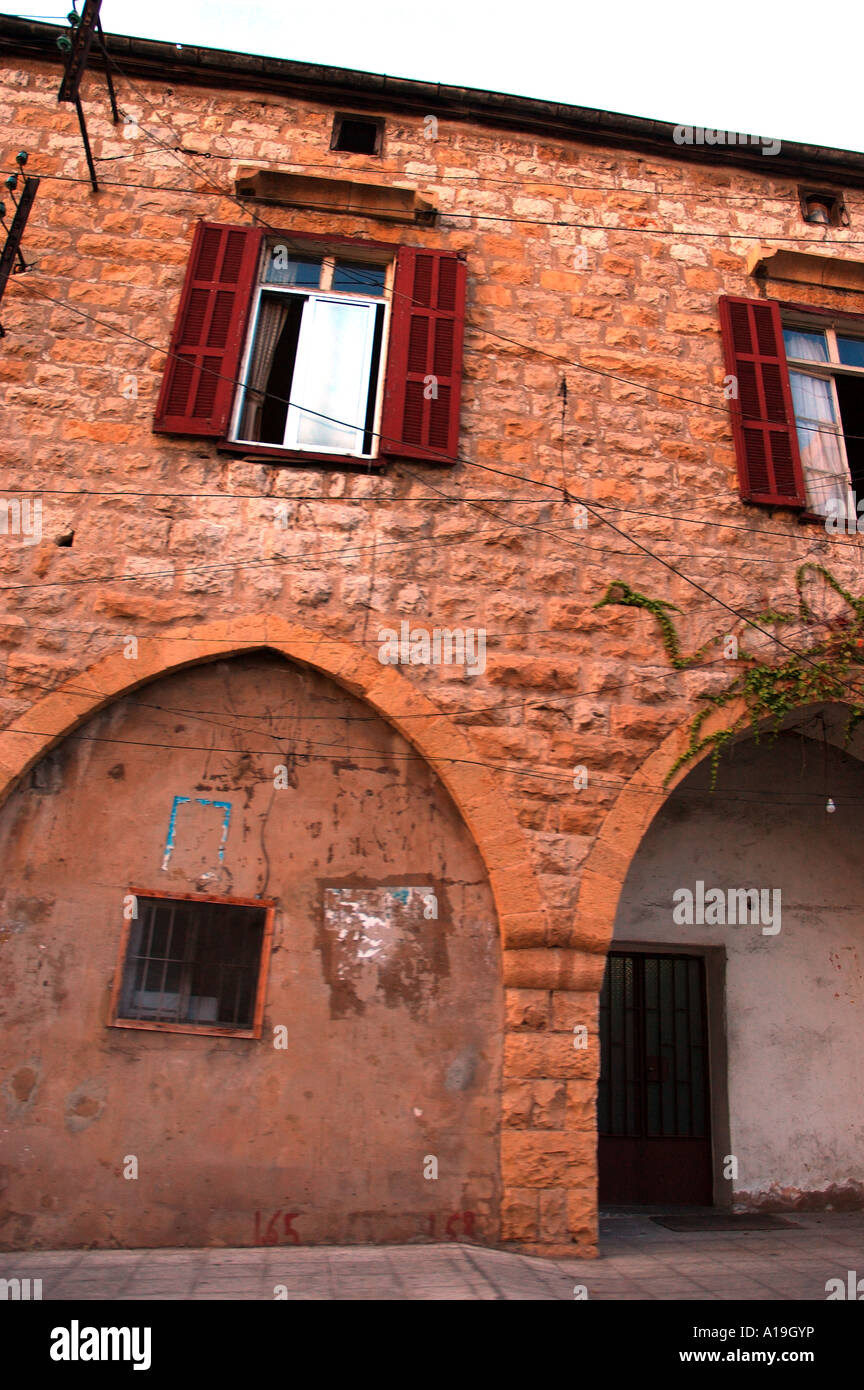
(192, 964)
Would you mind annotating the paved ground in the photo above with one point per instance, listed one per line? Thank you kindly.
(639, 1260)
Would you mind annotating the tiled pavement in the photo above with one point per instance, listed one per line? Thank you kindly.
(639, 1260)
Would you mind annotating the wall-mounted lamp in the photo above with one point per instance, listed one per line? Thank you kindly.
(818, 212)
(822, 208)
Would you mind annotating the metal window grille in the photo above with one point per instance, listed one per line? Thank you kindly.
(653, 1047)
(192, 962)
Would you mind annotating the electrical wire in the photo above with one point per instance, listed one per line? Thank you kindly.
(445, 458)
(661, 794)
(541, 702)
(446, 213)
(504, 520)
(226, 193)
(276, 231)
(282, 499)
(459, 178)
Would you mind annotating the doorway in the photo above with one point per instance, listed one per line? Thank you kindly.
(654, 1110)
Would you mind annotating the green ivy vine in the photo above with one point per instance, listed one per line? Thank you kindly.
(769, 692)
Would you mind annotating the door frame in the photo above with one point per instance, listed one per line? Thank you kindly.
(714, 958)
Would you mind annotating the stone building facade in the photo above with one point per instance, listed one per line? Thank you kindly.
(341, 692)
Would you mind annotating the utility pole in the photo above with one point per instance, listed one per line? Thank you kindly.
(14, 234)
(84, 29)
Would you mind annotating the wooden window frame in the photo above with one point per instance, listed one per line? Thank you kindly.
(267, 905)
(377, 252)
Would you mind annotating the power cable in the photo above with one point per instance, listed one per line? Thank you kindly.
(504, 520)
(662, 794)
(445, 213)
(282, 499)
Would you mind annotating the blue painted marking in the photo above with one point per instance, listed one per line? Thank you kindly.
(172, 825)
(401, 894)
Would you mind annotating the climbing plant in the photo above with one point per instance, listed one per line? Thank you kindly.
(822, 672)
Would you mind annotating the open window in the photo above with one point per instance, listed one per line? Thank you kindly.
(190, 964)
(311, 376)
(795, 382)
(826, 375)
(302, 347)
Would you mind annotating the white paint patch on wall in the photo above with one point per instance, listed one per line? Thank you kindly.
(371, 924)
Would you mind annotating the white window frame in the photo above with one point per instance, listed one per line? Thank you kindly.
(830, 370)
(305, 366)
(324, 291)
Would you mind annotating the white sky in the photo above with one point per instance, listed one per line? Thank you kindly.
(791, 70)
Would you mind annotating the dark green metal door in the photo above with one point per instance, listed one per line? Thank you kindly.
(653, 1098)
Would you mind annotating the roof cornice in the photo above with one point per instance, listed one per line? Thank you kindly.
(160, 61)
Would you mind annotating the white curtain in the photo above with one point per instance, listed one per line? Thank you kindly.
(805, 347)
(272, 314)
(822, 456)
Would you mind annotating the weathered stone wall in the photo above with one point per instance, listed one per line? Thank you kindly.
(627, 289)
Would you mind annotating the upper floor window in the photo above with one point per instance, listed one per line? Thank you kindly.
(299, 347)
(311, 375)
(795, 383)
(826, 375)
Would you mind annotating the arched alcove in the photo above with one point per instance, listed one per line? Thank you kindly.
(368, 1108)
(782, 1005)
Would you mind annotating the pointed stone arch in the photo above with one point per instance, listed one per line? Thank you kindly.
(611, 855)
(619, 887)
(445, 745)
(447, 748)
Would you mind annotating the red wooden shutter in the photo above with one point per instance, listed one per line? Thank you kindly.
(423, 383)
(199, 382)
(763, 420)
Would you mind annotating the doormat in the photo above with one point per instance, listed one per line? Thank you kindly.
(725, 1221)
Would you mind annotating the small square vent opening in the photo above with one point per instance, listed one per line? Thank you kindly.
(357, 134)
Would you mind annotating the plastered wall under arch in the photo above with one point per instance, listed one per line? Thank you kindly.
(394, 1051)
(794, 999)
